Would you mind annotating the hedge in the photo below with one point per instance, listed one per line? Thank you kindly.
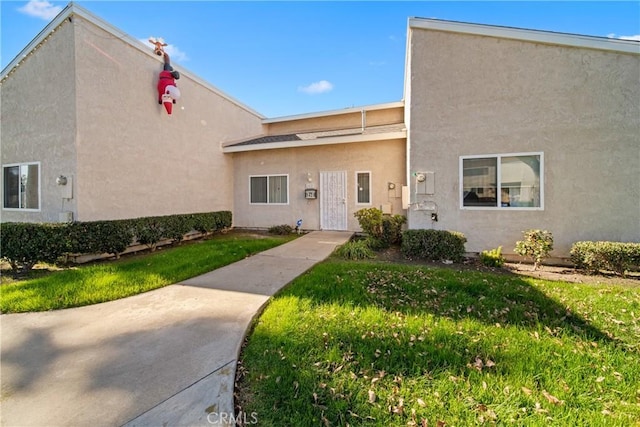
(25, 244)
(611, 256)
(434, 245)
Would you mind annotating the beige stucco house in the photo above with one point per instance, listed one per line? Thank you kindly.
(80, 102)
(516, 129)
(500, 130)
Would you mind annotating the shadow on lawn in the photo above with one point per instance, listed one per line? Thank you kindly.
(490, 298)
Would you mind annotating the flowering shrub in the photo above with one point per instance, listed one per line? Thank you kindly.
(536, 244)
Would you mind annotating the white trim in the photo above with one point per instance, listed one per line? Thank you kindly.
(546, 37)
(9, 165)
(269, 175)
(498, 158)
(372, 137)
(72, 10)
(370, 202)
(351, 110)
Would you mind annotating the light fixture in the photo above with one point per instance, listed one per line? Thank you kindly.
(61, 180)
(391, 185)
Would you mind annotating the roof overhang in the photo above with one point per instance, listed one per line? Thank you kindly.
(545, 37)
(326, 140)
(351, 110)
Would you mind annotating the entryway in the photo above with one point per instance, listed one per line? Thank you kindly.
(333, 200)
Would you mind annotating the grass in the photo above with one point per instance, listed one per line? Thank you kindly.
(365, 343)
(107, 281)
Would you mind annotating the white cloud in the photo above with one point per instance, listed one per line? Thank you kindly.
(40, 9)
(614, 36)
(316, 88)
(173, 51)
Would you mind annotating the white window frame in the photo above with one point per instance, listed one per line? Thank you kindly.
(268, 181)
(19, 209)
(499, 206)
(358, 203)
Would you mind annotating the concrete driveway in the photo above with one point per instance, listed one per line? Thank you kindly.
(165, 357)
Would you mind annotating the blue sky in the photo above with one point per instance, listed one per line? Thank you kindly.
(284, 58)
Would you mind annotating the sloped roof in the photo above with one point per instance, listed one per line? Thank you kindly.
(72, 10)
(327, 137)
(537, 36)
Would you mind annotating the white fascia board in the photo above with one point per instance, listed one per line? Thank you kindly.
(316, 142)
(546, 37)
(72, 10)
(350, 110)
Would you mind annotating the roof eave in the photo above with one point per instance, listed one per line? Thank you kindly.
(546, 37)
(74, 10)
(383, 106)
(317, 142)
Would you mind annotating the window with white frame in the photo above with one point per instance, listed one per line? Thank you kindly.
(502, 181)
(269, 189)
(363, 188)
(21, 186)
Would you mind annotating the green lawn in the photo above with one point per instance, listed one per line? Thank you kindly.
(107, 281)
(365, 343)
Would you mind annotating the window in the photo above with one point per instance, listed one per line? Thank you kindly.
(21, 186)
(271, 189)
(503, 181)
(363, 190)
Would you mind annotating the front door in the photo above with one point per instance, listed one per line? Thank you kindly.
(333, 200)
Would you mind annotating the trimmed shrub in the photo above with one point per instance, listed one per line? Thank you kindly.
(386, 230)
(392, 229)
(209, 222)
(25, 244)
(282, 230)
(356, 249)
(149, 231)
(434, 245)
(536, 244)
(492, 258)
(370, 220)
(611, 256)
(98, 237)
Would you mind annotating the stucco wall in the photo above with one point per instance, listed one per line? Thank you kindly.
(38, 122)
(135, 160)
(474, 95)
(384, 159)
(373, 117)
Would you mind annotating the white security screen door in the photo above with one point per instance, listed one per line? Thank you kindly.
(333, 200)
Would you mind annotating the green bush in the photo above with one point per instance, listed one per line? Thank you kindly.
(435, 245)
(149, 231)
(209, 222)
(385, 229)
(356, 249)
(97, 237)
(536, 244)
(611, 256)
(282, 230)
(370, 220)
(492, 258)
(25, 244)
(392, 229)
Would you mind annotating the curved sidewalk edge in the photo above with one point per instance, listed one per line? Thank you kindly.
(209, 401)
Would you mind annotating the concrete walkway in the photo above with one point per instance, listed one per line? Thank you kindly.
(162, 358)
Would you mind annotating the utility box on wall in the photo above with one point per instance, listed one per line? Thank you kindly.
(310, 193)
